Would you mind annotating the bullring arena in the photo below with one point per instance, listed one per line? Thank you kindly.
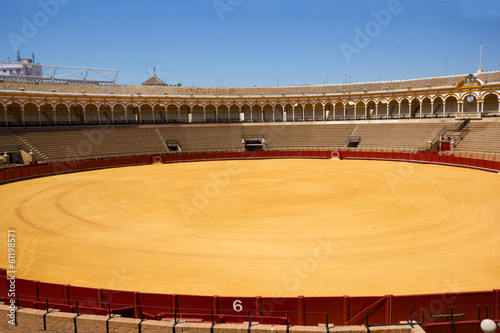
(132, 200)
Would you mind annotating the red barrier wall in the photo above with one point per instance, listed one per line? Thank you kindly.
(156, 303)
(56, 293)
(316, 307)
(277, 307)
(302, 310)
(88, 297)
(194, 304)
(239, 306)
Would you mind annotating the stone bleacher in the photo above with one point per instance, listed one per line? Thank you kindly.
(483, 137)
(399, 135)
(81, 142)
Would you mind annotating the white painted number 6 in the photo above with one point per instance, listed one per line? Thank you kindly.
(237, 306)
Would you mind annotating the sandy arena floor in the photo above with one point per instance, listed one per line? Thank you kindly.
(268, 228)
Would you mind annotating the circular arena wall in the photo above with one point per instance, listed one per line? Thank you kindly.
(441, 226)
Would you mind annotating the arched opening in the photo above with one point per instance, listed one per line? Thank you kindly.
(159, 114)
(257, 115)
(360, 110)
(146, 114)
(91, 114)
(491, 106)
(393, 109)
(318, 112)
(405, 109)
(119, 116)
(247, 113)
(451, 105)
(329, 113)
(76, 113)
(47, 114)
(349, 110)
(14, 114)
(198, 114)
(106, 114)
(426, 108)
(278, 112)
(172, 114)
(298, 112)
(438, 107)
(371, 110)
(288, 114)
(133, 114)
(308, 112)
(382, 109)
(267, 113)
(185, 113)
(223, 113)
(234, 113)
(61, 115)
(415, 108)
(31, 116)
(210, 114)
(470, 106)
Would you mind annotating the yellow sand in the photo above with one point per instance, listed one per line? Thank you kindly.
(269, 228)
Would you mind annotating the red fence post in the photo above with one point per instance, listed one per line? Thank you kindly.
(100, 298)
(37, 290)
(67, 294)
(302, 314)
(497, 303)
(175, 302)
(216, 305)
(388, 309)
(346, 309)
(137, 305)
(258, 305)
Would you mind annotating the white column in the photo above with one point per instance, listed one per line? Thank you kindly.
(432, 108)
(39, 115)
(399, 109)
(344, 111)
(84, 115)
(5, 114)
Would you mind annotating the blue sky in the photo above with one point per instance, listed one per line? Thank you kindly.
(256, 42)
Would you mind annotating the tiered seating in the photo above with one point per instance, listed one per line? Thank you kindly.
(398, 135)
(9, 143)
(300, 136)
(83, 142)
(483, 137)
(193, 137)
